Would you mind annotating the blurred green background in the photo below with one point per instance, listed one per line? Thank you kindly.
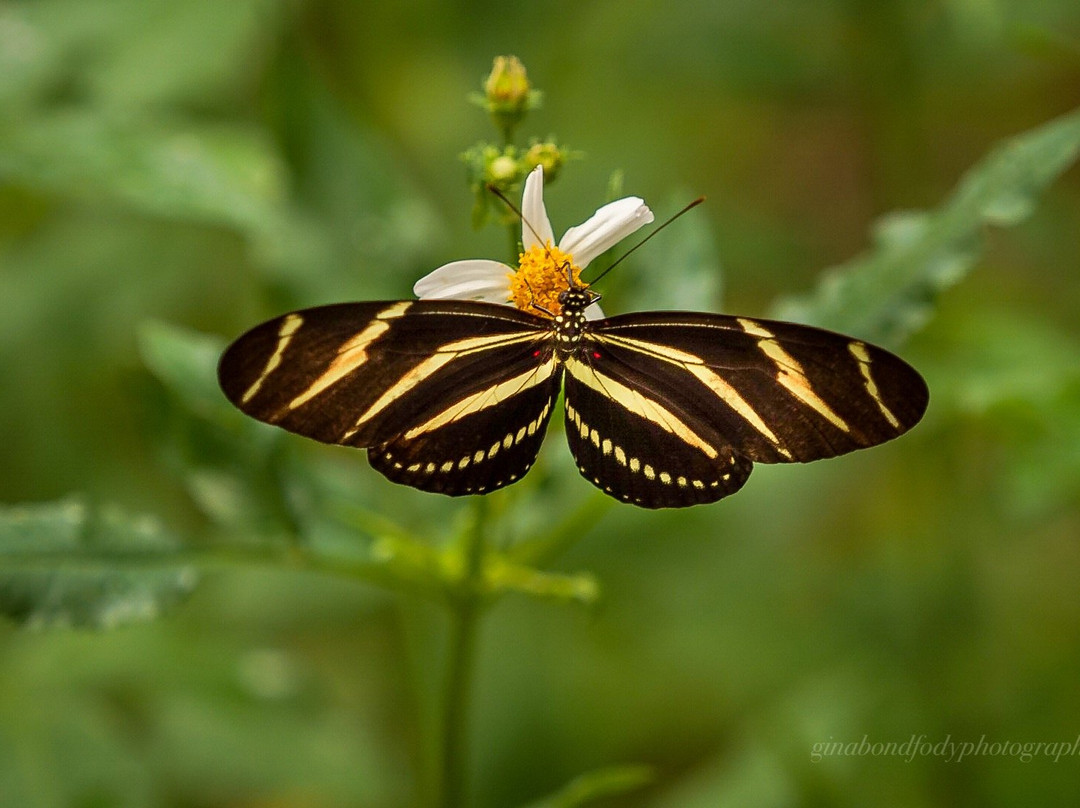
(207, 165)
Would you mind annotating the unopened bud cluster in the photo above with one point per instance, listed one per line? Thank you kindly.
(507, 97)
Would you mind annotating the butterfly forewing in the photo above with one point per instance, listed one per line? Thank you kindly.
(776, 392)
(369, 374)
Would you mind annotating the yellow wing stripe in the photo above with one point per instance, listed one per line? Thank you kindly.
(489, 397)
(352, 354)
(639, 404)
(695, 366)
(288, 328)
(442, 356)
(858, 350)
(790, 373)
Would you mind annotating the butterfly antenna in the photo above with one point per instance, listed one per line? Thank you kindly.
(528, 224)
(631, 251)
(516, 210)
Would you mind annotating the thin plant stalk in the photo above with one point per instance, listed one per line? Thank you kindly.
(465, 609)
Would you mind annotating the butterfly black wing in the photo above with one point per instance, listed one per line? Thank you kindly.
(448, 396)
(663, 409)
(483, 441)
(631, 440)
(676, 406)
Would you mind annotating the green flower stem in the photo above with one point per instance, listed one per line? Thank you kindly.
(465, 605)
(513, 230)
(455, 706)
(546, 547)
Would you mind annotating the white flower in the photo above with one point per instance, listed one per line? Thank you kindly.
(541, 273)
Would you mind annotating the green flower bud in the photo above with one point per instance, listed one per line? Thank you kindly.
(488, 164)
(507, 86)
(508, 94)
(548, 155)
(502, 171)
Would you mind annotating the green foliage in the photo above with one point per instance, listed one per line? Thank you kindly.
(687, 259)
(1029, 408)
(173, 172)
(144, 717)
(214, 174)
(67, 564)
(890, 293)
(596, 786)
(230, 467)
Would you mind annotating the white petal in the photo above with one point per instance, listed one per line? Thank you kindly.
(473, 279)
(533, 213)
(594, 312)
(496, 292)
(605, 228)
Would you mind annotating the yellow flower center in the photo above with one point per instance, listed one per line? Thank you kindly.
(541, 276)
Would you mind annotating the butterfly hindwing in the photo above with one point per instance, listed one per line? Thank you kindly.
(634, 443)
(474, 449)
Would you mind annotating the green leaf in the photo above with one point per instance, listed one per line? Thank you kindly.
(1008, 359)
(136, 53)
(233, 467)
(543, 547)
(186, 361)
(67, 564)
(224, 174)
(686, 273)
(600, 784)
(501, 576)
(888, 294)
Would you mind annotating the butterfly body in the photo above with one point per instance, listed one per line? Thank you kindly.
(662, 409)
(570, 324)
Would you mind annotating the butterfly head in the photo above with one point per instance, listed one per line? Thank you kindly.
(576, 299)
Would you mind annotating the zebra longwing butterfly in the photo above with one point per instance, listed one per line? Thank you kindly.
(662, 409)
